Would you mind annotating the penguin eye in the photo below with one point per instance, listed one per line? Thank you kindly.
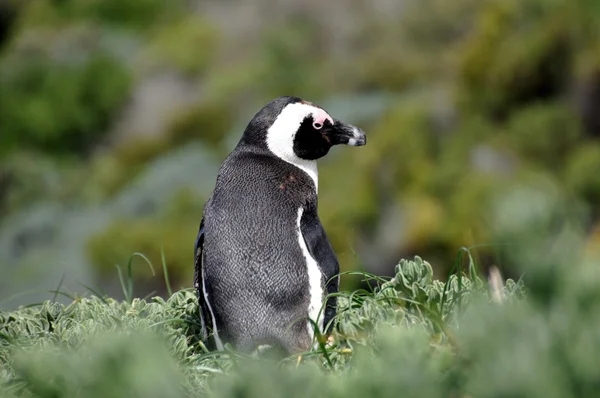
(317, 125)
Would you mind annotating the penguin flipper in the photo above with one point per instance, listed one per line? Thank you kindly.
(320, 249)
(205, 318)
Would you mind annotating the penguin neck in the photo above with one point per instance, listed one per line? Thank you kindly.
(308, 166)
(282, 147)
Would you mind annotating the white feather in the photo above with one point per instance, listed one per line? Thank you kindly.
(314, 282)
(212, 315)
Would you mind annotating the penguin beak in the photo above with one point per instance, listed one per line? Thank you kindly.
(345, 133)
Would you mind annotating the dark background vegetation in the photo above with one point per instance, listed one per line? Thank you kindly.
(483, 119)
(115, 115)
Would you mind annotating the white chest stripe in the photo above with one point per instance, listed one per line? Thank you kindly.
(314, 282)
(218, 341)
(280, 137)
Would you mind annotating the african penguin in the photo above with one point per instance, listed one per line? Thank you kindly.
(263, 263)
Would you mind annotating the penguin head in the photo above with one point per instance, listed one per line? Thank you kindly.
(294, 129)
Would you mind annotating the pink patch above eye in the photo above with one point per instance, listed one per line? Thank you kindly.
(320, 116)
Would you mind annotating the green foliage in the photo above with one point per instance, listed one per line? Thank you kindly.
(58, 373)
(136, 14)
(150, 235)
(289, 55)
(414, 47)
(485, 95)
(581, 175)
(410, 333)
(59, 105)
(545, 133)
(108, 173)
(402, 133)
(490, 104)
(28, 176)
(98, 346)
(502, 71)
(208, 121)
(188, 44)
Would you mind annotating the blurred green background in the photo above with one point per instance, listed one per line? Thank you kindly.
(115, 115)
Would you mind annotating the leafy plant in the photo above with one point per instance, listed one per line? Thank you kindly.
(153, 236)
(96, 345)
(59, 107)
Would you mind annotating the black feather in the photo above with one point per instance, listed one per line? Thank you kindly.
(198, 277)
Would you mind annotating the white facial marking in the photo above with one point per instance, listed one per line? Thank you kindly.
(280, 136)
(314, 282)
(218, 341)
(355, 137)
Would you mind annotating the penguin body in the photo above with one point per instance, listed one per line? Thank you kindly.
(264, 265)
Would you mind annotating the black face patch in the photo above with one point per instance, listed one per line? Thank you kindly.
(310, 143)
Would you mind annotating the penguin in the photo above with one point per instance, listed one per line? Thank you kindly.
(265, 272)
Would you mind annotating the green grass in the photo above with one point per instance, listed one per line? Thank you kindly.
(99, 347)
(410, 335)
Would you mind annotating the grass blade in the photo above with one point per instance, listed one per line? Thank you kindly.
(130, 273)
(95, 292)
(165, 271)
(62, 279)
(123, 286)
